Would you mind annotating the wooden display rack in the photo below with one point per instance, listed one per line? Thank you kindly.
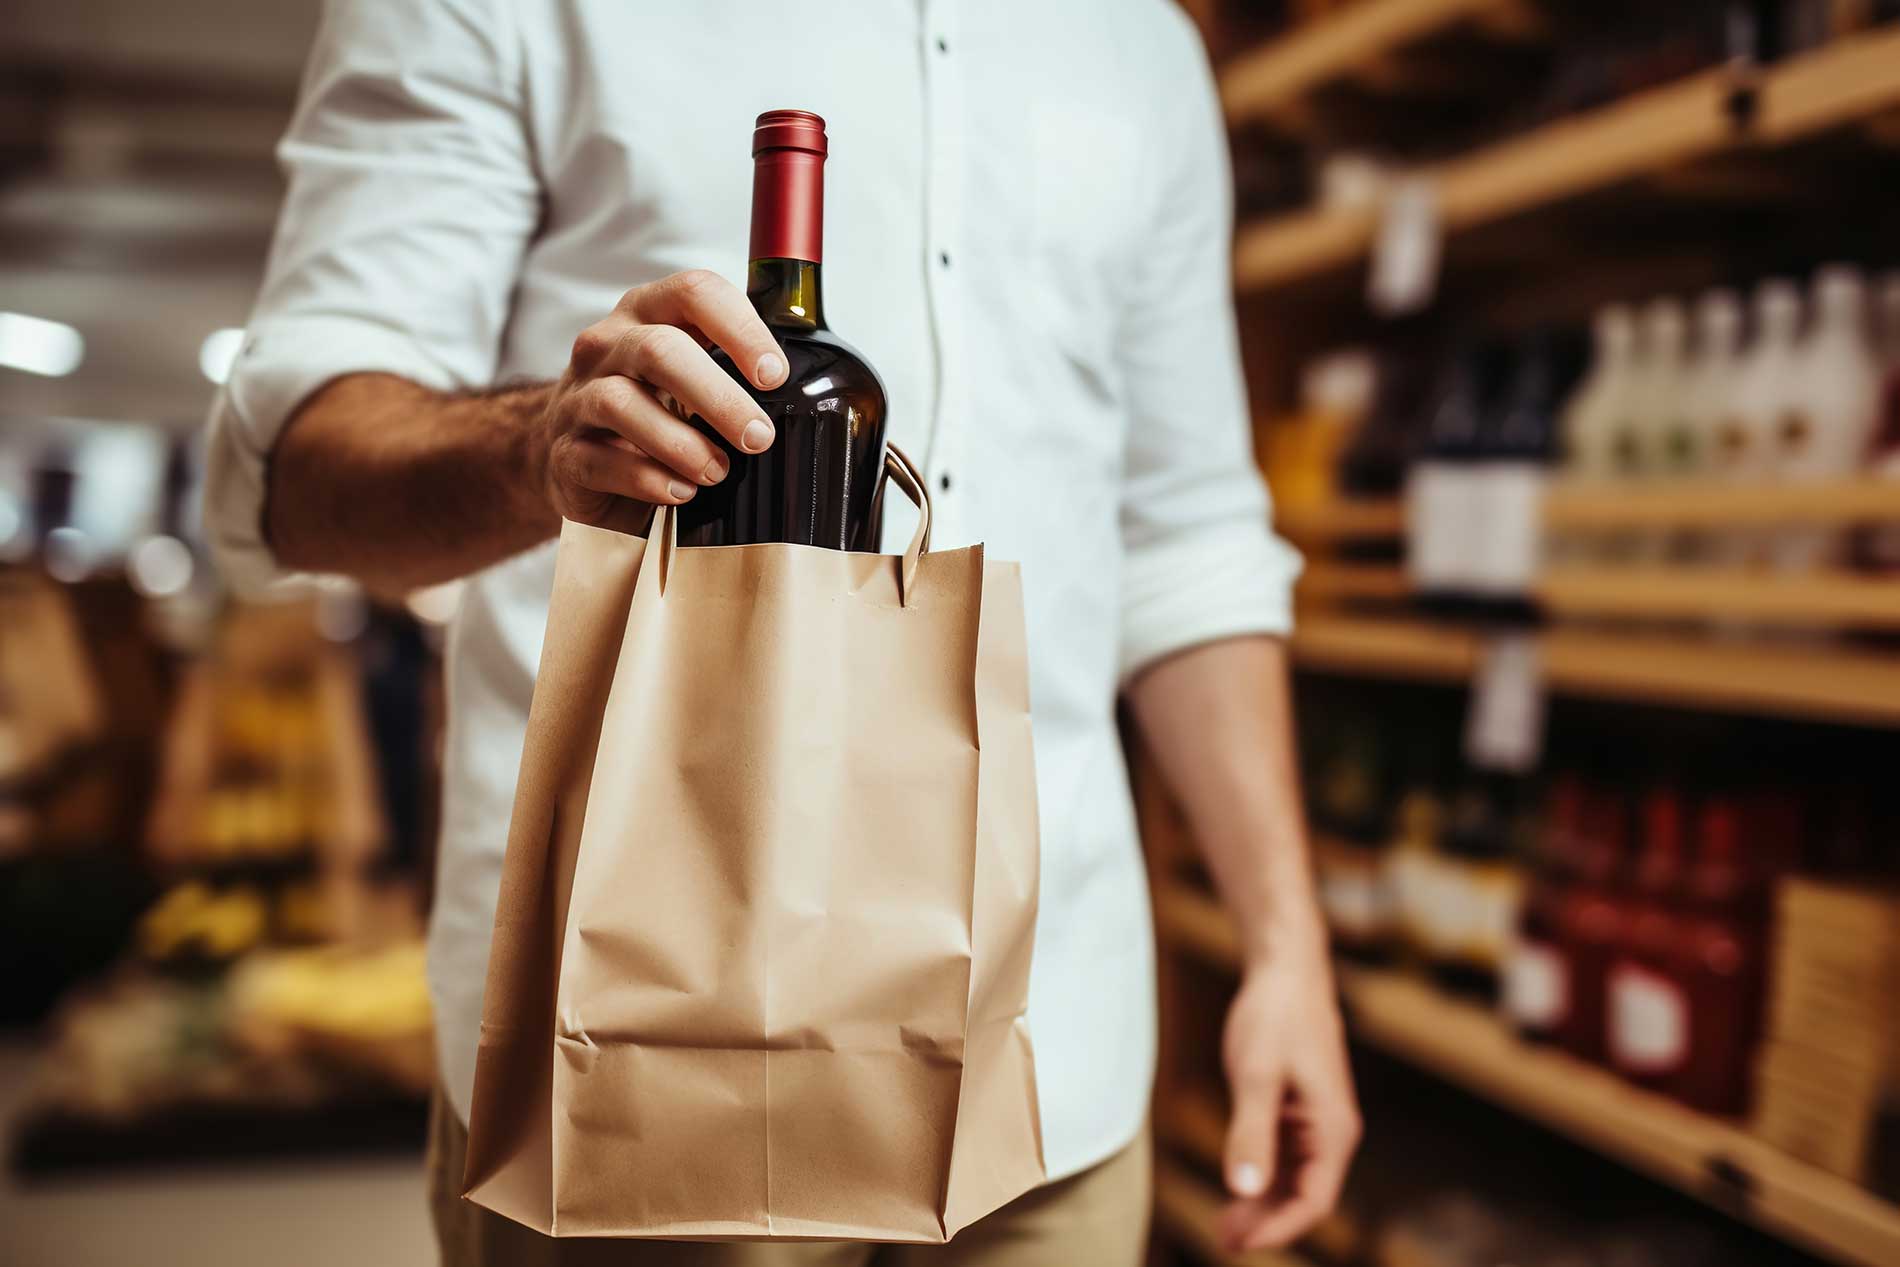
(1646, 134)
(1651, 634)
(1713, 1160)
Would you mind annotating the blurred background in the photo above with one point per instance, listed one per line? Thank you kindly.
(1573, 339)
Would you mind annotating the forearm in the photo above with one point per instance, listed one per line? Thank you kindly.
(399, 486)
(1218, 720)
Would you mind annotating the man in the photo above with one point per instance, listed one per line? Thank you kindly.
(1027, 234)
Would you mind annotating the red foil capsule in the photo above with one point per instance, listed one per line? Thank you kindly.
(788, 186)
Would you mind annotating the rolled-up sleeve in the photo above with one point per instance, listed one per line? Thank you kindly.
(1201, 561)
(411, 196)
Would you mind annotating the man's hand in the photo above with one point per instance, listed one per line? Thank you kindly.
(402, 486)
(608, 437)
(1295, 1122)
(1218, 720)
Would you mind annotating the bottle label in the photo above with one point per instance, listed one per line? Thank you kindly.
(1438, 505)
(1536, 987)
(1649, 1021)
(1504, 721)
(1506, 549)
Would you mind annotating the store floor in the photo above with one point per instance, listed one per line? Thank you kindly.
(317, 1214)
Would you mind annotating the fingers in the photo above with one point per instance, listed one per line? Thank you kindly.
(1252, 1131)
(595, 464)
(668, 358)
(621, 406)
(701, 300)
(1315, 1154)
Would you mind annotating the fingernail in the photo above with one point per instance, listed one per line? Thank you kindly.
(1247, 1180)
(771, 369)
(715, 469)
(757, 436)
(680, 492)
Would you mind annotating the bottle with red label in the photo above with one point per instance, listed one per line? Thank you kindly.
(1590, 919)
(1719, 964)
(1648, 1036)
(1535, 991)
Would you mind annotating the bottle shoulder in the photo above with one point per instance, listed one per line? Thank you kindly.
(822, 365)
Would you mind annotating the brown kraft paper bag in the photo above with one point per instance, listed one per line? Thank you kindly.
(761, 956)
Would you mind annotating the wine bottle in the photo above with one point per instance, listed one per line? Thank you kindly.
(818, 482)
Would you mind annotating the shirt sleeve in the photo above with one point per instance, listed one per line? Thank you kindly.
(1201, 561)
(411, 197)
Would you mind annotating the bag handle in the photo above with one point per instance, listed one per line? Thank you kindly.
(898, 470)
(901, 471)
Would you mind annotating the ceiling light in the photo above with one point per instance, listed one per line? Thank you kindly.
(39, 346)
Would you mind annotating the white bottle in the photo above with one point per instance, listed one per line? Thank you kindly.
(1710, 380)
(1883, 459)
(1656, 413)
(1764, 390)
(1592, 415)
(1829, 425)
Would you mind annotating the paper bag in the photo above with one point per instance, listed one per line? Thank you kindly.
(762, 951)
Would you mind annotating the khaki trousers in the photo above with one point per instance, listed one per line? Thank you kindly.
(1098, 1218)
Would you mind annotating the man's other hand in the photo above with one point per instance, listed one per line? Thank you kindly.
(1295, 1123)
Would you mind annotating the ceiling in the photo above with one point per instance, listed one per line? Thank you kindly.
(137, 188)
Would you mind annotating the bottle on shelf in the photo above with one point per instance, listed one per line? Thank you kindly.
(1593, 416)
(1519, 445)
(1352, 814)
(1649, 1037)
(1880, 548)
(1764, 394)
(1444, 509)
(1710, 377)
(1303, 453)
(1830, 423)
(1474, 906)
(1534, 990)
(1720, 956)
(818, 483)
(1664, 444)
(1591, 917)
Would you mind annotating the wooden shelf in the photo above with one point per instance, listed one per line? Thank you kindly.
(1275, 77)
(1646, 133)
(1819, 683)
(1830, 600)
(1615, 507)
(1699, 504)
(1189, 1207)
(1713, 1160)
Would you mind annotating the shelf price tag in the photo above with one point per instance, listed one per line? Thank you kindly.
(1504, 727)
(1405, 257)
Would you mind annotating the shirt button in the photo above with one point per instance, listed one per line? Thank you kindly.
(943, 482)
(943, 258)
(943, 45)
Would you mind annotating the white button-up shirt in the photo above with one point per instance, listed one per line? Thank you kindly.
(1027, 232)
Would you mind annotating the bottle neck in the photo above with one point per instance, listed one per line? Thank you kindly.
(786, 293)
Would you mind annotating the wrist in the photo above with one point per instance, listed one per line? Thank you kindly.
(1285, 927)
(533, 498)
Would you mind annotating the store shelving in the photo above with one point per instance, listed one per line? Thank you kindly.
(1277, 75)
(1644, 134)
(1673, 504)
(1714, 1160)
(1819, 600)
(1681, 670)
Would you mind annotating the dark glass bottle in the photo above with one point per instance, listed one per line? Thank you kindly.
(818, 482)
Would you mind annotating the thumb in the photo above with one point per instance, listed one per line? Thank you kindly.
(1252, 1134)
